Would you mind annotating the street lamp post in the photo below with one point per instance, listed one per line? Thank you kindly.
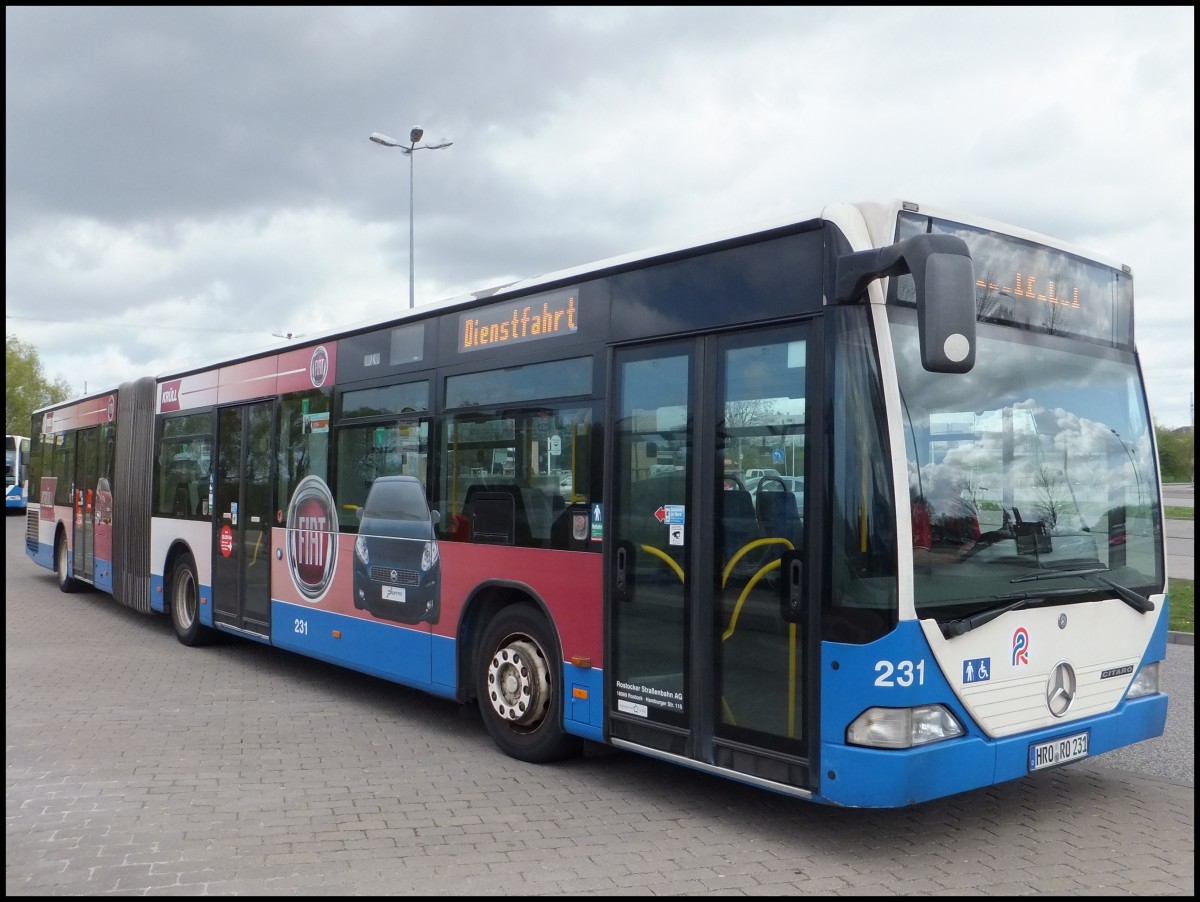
(408, 150)
(1137, 473)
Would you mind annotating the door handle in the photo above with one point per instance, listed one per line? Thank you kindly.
(623, 565)
(791, 601)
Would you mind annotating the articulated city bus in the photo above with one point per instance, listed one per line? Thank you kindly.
(863, 509)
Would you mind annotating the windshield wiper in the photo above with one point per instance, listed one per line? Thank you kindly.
(953, 628)
(1055, 574)
(1138, 602)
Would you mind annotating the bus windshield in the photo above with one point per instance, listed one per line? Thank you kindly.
(10, 460)
(1037, 464)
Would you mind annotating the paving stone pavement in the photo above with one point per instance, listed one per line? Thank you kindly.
(135, 766)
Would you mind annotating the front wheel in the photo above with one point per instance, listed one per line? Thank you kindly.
(62, 565)
(520, 688)
(185, 603)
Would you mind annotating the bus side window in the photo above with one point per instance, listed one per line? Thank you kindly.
(862, 604)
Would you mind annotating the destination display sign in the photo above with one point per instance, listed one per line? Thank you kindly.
(1029, 285)
(513, 322)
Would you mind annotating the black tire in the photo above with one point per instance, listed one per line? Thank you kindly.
(185, 603)
(520, 691)
(62, 565)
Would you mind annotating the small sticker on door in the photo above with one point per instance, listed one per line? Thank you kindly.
(671, 514)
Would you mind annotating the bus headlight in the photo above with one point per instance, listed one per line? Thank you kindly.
(903, 728)
(1145, 683)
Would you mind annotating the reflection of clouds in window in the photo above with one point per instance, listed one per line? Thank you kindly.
(668, 419)
(764, 384)
(1039, 426)
(1017, 374)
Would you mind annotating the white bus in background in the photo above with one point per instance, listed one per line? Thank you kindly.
(16, 472)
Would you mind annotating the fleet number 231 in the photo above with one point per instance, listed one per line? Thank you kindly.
(900, 673)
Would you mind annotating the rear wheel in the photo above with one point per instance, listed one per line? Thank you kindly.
(185, 603)
(62, 565)
(520, 688)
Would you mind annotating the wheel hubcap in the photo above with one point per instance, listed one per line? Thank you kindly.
(185, 600)
(519, 683)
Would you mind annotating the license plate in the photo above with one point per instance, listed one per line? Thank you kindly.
(1058, 751)
(393, 593)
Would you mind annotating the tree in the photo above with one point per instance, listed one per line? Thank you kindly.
(1176, 453)
(25, 386)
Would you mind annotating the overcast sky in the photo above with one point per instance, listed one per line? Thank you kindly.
(184, 182)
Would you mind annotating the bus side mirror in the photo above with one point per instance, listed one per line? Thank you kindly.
(945, 287)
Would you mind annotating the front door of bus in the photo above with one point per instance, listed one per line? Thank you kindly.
(242, 535)
(707, 658)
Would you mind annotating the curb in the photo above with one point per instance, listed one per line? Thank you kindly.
(1179, 638)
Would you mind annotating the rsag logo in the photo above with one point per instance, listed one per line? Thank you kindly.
(311, 538)
(1020, 646)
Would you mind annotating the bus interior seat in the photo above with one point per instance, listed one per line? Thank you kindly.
(497, 515)
(737, 525)
(183, 500)
(560, 529)
(779, 514)
(537, 515)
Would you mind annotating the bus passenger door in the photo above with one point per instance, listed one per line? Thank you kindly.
(704, 541)
(762, 707)
(651, 697)
(87, 469)
(242, 532)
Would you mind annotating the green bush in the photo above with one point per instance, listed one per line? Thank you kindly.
(1183, 605)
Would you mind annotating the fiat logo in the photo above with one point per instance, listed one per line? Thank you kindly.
(312, 537)
(318, 366)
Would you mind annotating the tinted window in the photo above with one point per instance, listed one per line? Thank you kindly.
(557, 379)
(386, 399)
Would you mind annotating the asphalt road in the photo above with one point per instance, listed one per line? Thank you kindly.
(135, 766)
